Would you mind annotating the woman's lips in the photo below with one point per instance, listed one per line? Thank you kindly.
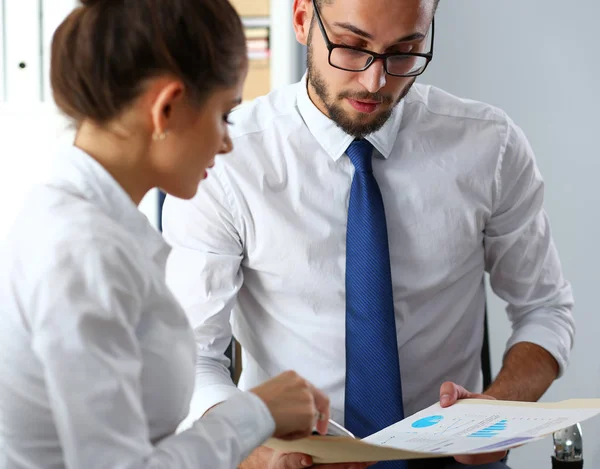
(210, 165)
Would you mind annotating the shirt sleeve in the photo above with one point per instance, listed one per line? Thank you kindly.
(521, 256)
(204, 273)
(84, 310)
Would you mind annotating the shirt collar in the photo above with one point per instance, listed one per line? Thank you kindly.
(333, 139)
(78, 172)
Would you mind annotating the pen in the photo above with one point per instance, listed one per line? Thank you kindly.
(335, 429)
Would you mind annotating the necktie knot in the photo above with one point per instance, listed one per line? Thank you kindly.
(360, 153)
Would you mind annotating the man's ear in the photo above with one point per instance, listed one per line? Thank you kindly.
(302, 18)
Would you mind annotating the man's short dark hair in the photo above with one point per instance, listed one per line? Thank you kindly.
(321, 2)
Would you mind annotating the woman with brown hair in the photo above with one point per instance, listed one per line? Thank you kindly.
(102, 357)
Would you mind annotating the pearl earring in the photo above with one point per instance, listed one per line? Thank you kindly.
(161, 136)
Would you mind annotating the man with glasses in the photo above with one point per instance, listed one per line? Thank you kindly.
(348, 234)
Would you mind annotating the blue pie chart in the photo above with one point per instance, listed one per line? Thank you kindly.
(427, 421)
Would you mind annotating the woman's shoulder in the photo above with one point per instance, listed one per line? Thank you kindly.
(64, 248)
(54, 225)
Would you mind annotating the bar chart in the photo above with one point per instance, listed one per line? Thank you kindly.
(491, 431)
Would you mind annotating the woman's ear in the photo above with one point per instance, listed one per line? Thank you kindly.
(162, 107)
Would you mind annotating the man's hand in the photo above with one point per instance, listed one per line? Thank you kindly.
(449, 394)
(266, 458)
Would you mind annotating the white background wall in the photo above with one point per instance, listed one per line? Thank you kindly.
(539, 61)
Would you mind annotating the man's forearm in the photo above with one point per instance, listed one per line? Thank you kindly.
(527, 372)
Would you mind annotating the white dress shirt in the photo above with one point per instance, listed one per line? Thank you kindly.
(99, 357)
(462, 195)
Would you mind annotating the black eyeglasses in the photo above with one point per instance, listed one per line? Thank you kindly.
(354, 59)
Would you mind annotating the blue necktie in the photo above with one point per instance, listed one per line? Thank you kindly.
(373, 388)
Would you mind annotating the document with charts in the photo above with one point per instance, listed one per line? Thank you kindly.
(470, 426)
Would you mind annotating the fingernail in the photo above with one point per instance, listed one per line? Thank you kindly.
(445, 399)
(305, 463)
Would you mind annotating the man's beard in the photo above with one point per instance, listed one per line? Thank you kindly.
(360, 126)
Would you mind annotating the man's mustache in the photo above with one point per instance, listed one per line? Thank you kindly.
(377, 97)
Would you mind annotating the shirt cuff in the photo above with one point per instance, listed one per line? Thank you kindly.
(550, 340)
(249, 416)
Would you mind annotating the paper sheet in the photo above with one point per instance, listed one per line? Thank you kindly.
(471, 426)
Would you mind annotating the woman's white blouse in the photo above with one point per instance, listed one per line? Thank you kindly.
(98, 357)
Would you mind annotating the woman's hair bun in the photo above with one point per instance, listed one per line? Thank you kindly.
(104, 52)
(89, 3)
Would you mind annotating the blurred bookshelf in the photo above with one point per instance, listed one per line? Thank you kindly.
(256, 17)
